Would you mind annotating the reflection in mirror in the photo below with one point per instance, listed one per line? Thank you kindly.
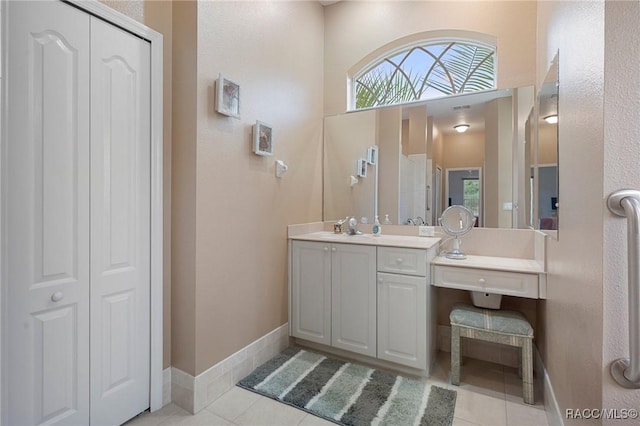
(418, 149)
(547, 151)
(531, 127)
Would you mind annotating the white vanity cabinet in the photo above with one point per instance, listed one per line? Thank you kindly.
(353, 298)
(311, 291)
(404, 306)
(365, 295)
(333, 295)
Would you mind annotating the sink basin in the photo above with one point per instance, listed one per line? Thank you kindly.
(342, 237)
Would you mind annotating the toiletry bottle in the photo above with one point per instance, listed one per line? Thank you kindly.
(387, 221)
(377, 229)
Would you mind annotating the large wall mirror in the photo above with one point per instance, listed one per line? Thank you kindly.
(426, 162)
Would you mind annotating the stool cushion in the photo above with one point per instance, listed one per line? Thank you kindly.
(497, 321)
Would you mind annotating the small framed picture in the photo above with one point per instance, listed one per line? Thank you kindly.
(262, 138)
(227, 97)
(362, 167)
(372, 155)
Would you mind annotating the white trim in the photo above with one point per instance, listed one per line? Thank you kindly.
(551, 407)
(3, 277)
(480, 187)
(155, 39)
(195, 393)
(166, 386)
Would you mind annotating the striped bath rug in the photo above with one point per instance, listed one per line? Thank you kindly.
(350, 394)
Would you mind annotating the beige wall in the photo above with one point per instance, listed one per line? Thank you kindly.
(547, 143)
(184, 184)
(354, 30)
(274, 50)
(158, 15)
(621, 153)
(572, 316)
(460, 150)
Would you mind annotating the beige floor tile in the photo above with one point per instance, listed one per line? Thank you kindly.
(267, 412)
(233, 403)
(157, 417)
(513, 391)
(311, 420)
(481, 409)
(483, 379)
(203, 418)
(521, 415)
(460, 422)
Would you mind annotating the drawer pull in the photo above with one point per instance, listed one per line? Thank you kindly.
(399, 260)
(326, 249)
(481, 280)
(333, 249)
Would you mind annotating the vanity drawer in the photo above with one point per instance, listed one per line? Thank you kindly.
(402, 261)
(490, 281)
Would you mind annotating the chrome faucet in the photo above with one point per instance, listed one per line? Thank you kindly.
(419, 221)
(353, 227)
(410, 222)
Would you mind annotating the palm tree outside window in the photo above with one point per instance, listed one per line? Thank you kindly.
(426, 71)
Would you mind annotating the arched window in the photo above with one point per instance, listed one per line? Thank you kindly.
(425, 71)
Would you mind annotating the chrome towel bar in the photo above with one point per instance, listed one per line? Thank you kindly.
(626, 203)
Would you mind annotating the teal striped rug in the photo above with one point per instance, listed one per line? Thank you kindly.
(350, 394)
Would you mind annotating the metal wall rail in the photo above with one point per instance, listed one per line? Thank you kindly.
(626, 203)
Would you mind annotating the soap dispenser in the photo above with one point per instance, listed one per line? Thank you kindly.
(387, 221)
(377, 229)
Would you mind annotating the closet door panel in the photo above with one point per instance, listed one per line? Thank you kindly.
(46, 194)
(120, 224)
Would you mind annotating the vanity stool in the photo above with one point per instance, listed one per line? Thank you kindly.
(505, 327)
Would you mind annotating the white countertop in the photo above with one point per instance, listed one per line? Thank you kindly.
(368, 239)
(511, 264)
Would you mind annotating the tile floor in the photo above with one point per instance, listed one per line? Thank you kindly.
(489, 394)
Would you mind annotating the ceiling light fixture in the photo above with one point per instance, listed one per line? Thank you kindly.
(461, 128)
(551, 119)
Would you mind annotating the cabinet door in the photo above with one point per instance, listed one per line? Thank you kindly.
(402, 319)
(46, 221)
(311, 291)
(353, 298)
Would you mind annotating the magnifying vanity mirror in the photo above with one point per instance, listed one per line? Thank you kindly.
(456, 221)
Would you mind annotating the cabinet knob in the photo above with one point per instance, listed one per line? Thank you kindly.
(380, 280)
(481, 280)
(57, 296)
(399, 260)
(333, 249)
(326, 249)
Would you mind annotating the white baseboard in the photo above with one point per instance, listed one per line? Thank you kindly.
(554, 415)
(195, 393)
(166, 386)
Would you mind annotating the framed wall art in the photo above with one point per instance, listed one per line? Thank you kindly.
(227, 97)
(262, 138)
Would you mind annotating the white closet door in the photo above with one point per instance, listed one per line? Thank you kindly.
(120, 222)
(46, 194)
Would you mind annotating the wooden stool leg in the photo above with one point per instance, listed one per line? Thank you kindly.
(527, 371)
(455, 355)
